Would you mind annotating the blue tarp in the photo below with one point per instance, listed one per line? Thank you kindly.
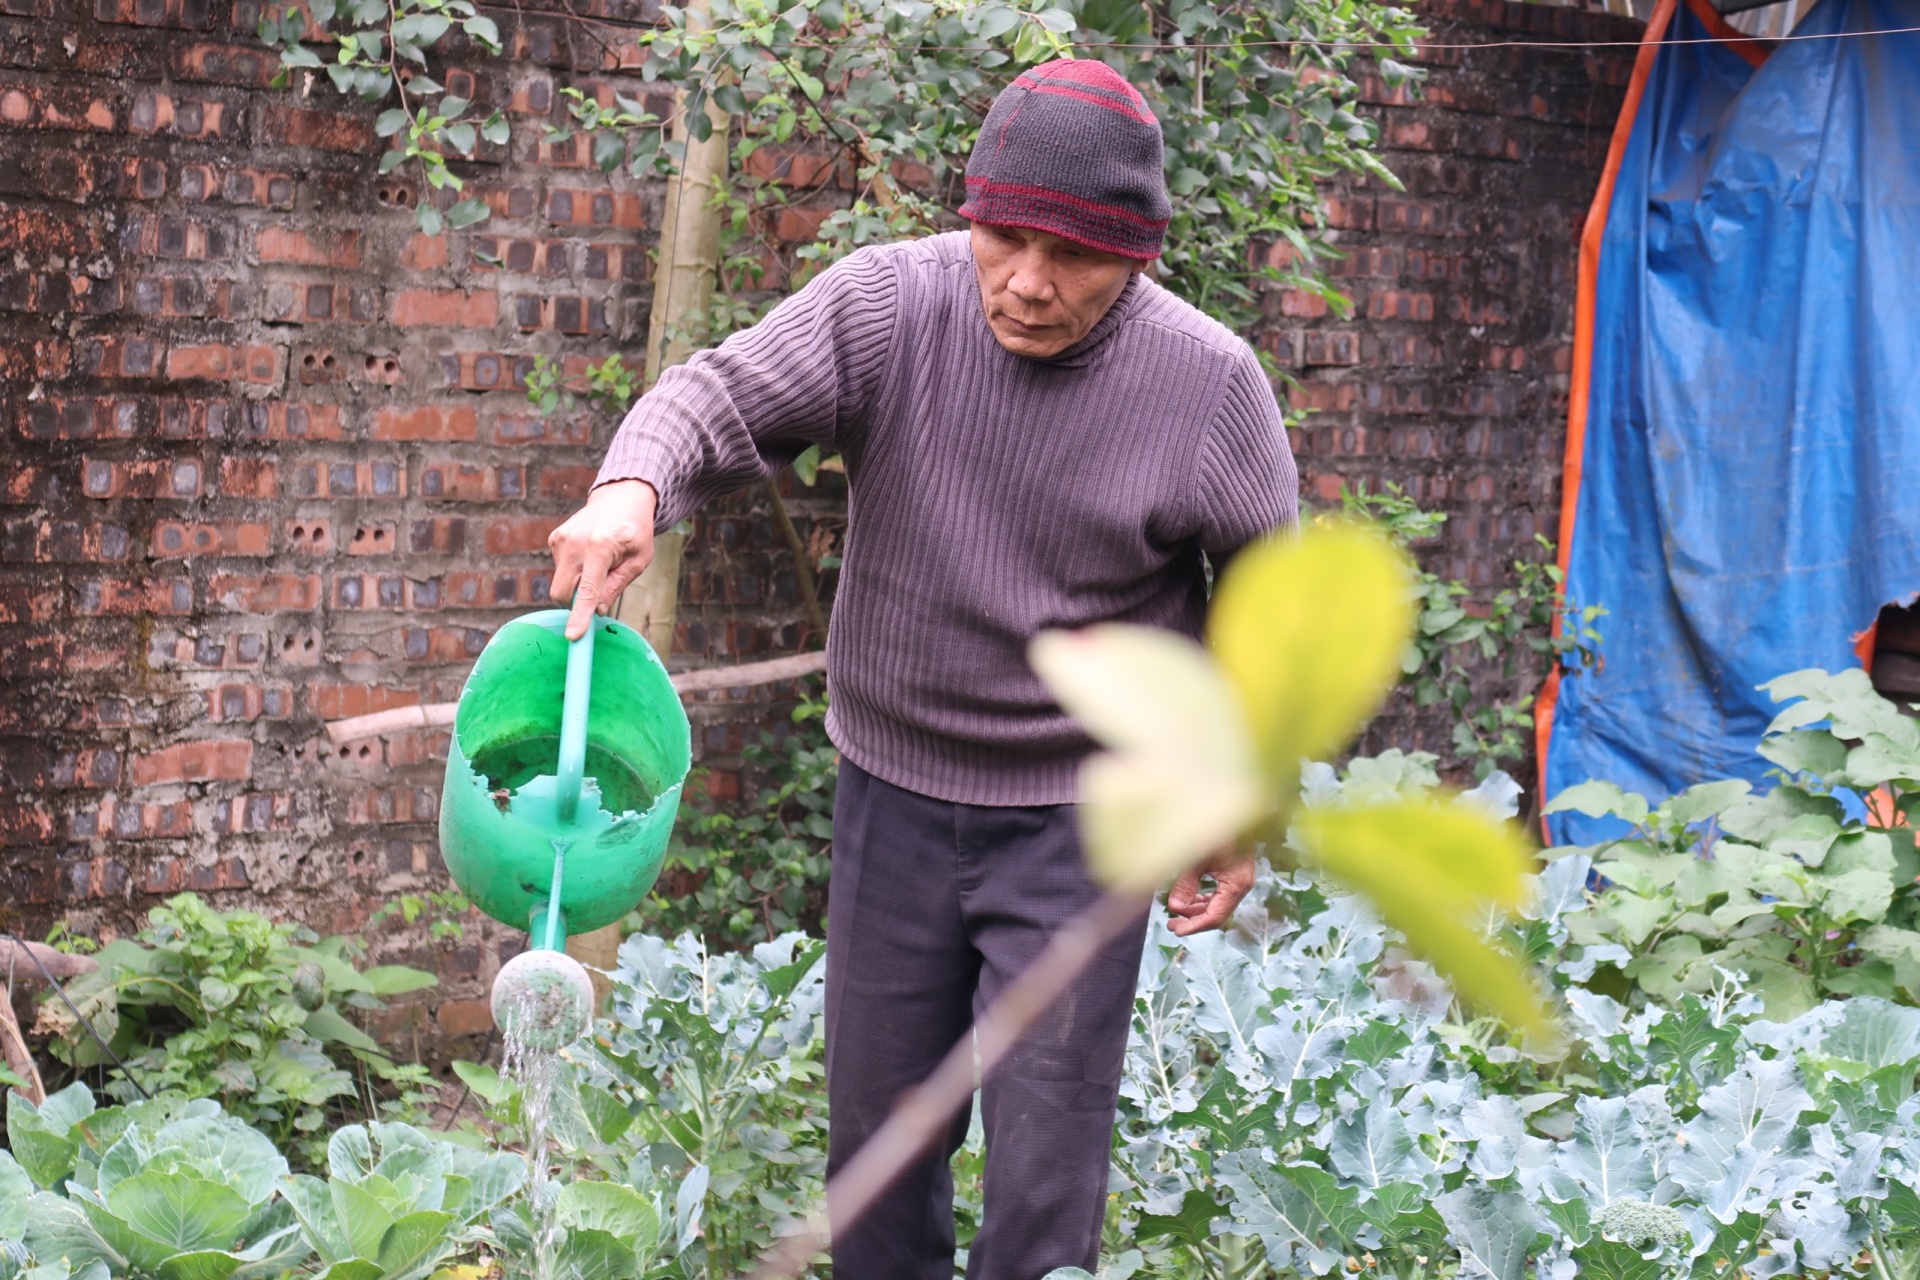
(1751, 475)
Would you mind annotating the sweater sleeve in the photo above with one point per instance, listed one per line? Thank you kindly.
(1248, 484)
(739, 412)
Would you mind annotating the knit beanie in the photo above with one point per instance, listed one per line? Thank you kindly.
(1070, 147)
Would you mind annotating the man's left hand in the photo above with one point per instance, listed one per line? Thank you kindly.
(1194, 911)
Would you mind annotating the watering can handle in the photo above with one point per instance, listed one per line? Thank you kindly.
(573, 723)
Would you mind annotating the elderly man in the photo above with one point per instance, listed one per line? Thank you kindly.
(1036, 435)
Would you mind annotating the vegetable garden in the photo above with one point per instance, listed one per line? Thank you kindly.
(1691, 1050)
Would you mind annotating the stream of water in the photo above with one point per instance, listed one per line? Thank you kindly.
(536, 1069)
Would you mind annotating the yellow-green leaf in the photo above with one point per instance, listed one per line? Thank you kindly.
(1310, 631)
(1432, 870)
(1179, 781)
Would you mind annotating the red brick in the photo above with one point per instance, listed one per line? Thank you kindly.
(244, 66)
(590, 207)
(243, 814)
(331, 700)
(130, 597)
(195, 118)
(424, 253)
(316, 479)
(193, 14)
(1395, 304)
(308, 249)
(446, 308)
(569, 483)
(257, 364)
(217, 760)
(249, 478)
(245, 700)
(267, 593)
(25, 823)
(65, 542)
(427, 422)
(393, 804)
(461, 482)
(308, 537)
(152, 478)
(301, 127)
(210, 538)
(464, 1017)
(371, 538)
(520, 535)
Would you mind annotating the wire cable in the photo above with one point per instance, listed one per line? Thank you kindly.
(74, 1009)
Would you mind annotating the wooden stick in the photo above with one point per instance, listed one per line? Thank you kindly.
(15, 956)
(923, 1113)
(433, 715)
(13, 1046)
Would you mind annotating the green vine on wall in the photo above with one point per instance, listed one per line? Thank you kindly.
(1258, 102)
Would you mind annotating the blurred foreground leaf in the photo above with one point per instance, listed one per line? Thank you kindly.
(1310, 630)
(1307, 635)
(1432, 870)
(1180, 780)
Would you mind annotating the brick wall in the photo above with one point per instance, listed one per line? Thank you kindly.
(1450, 377)
(268, 458)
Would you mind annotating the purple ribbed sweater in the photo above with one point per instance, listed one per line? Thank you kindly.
(992, 496)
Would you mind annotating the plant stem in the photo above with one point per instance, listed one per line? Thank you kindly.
(923, 1112)
(802, 565)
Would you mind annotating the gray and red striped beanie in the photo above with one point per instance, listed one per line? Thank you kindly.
(1070, 147)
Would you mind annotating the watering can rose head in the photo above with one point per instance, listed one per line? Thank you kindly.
(1306, 634)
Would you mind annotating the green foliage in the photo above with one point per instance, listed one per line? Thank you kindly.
(379, 52)
(611, 386)
(228, 1005)
(161, 1190)
(758, 869)
(442, 909)
(397, 1202)
(1484, 661)
(1299, 1098)
(1781, 886)
(1257, 103)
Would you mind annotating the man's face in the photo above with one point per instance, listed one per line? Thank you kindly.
(1041, 293)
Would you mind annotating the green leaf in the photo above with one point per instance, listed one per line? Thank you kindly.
(1193, 1225)
(414, 1242)
(609, 149)
(185, 1214)
(591, 1254)
(202, 1264)
(496, 129)
(1494, 1231)
(398, 979)
(1059, 21)
(484, 1081)
(429, 219)
(608, 1206)
(484, 30)
(15, 1187)
(41, 1136)
(1308, 632)
(1605, 1259)
(1180, 780)
(1432, 870)
(466, 213)
(1598, 799)
(391, 121)
(1813, 751)
(326, 1024)
(461, 137)
(361, 1216)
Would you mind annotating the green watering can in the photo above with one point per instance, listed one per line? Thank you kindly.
(563, 779)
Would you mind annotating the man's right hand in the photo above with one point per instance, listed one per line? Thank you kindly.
(601, 548)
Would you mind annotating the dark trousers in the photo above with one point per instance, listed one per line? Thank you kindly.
(933, 908)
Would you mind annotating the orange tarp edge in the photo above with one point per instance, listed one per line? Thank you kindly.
(1579, 383)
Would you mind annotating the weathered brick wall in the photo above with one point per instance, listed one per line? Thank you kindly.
(268, 459)
(1450, 377)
